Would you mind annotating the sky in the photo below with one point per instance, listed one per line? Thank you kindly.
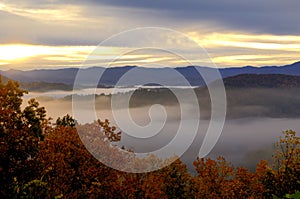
(62, 33)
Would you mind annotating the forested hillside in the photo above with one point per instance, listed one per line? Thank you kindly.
(40, 158)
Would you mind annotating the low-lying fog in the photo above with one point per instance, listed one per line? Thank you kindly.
(244, 140)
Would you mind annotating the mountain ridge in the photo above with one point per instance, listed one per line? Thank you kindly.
(166, 75)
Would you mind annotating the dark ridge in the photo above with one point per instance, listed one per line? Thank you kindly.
(262, 81)
(39, 86)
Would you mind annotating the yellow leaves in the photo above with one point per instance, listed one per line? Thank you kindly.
(288, 150)
(282, 178)
(96, 183)
(59, 196)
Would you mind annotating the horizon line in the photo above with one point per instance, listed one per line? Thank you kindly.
(167, 67)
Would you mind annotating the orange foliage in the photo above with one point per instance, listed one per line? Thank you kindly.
(40, 160)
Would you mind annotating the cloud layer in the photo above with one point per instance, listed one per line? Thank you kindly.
(234, 32)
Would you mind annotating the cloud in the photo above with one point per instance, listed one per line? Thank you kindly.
(84, 19)
(51, 13)
(237, 49)
(234, 32)
(57, 24)
(269, 16)
(26, 56)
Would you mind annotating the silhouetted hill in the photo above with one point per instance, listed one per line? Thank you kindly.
(263, 81)
(166, 76)
(44, 86)
(109, 77)
(292, 69)
(66, 75)
(40, 86)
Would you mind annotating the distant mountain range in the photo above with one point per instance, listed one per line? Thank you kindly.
(166, 76)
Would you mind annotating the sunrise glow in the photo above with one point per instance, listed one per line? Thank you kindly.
(57, 34)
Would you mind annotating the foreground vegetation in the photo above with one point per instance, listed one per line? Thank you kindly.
(39, 159)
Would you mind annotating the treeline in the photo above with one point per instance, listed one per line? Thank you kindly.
(39, 159)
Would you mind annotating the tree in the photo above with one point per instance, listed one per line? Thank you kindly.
(284, 177)
(39, 160)
(20, 135)
(212, 177)
(110, 131)
(177, 181)
(34, 118)
(67, 120)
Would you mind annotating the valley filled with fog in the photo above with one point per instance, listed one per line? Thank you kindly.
(254, 122)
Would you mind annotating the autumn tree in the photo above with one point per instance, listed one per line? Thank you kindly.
(66, 120)
(283, 177)
(212, 177)
(41, 160)
(109, 131)
(66, 166)
(177, 180)
(71, 171)
(20, 134)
